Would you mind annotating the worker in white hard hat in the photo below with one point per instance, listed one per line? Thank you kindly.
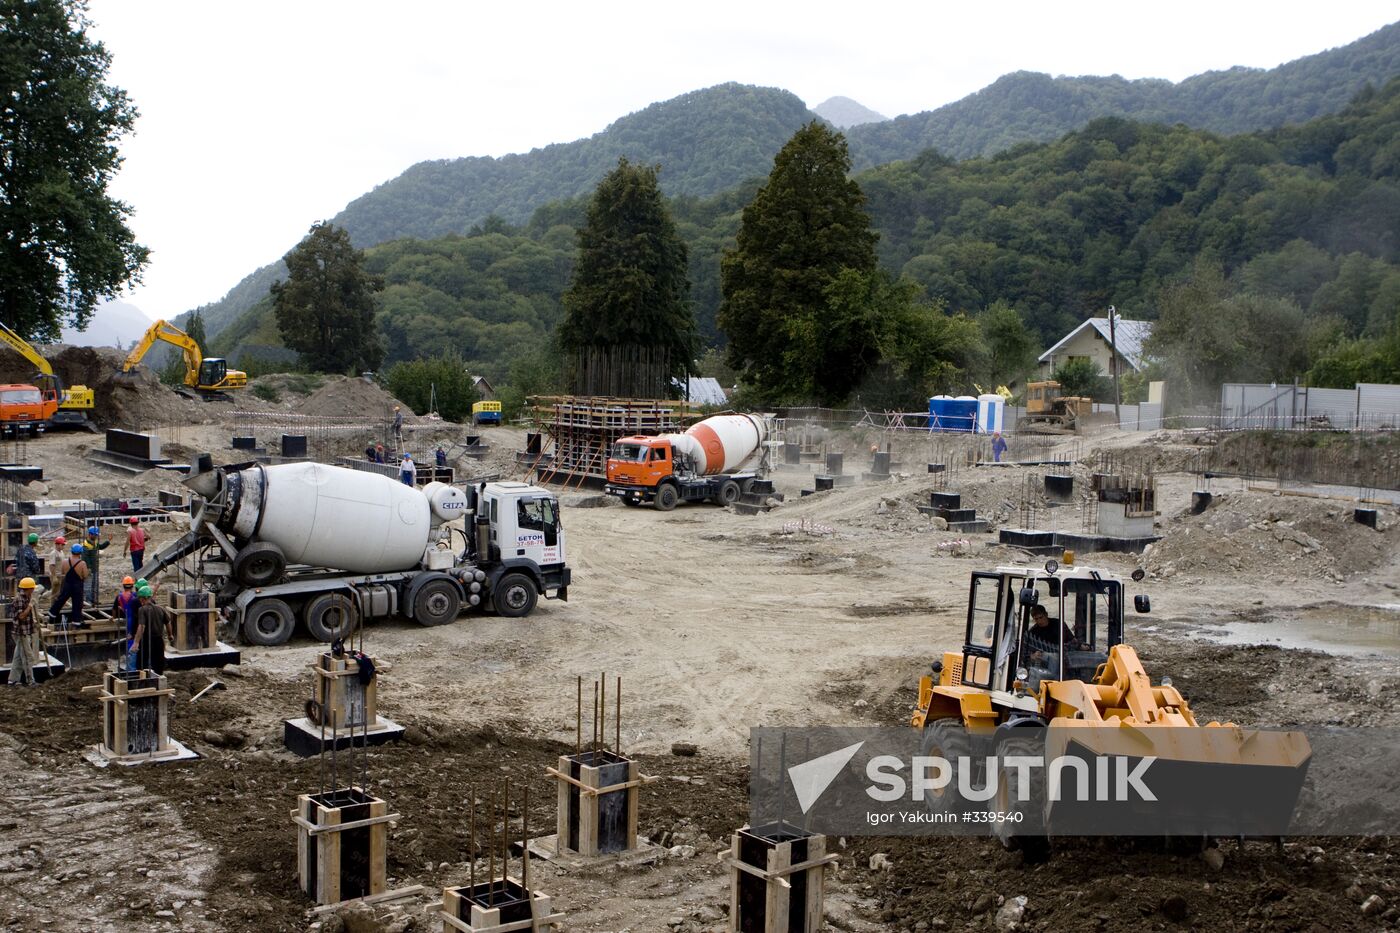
(408, 471)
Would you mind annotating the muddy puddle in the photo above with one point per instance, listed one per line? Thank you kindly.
(1332, 628)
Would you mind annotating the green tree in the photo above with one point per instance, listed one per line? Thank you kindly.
(1082, 377)
(630, 293)
(64, 242)
(1010, 344)
(442, 383)
(805, 227)
(325, 308)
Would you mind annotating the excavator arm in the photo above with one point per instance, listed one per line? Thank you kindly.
(73, 397)
(166, 332)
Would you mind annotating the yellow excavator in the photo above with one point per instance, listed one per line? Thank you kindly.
(74, 402)
(1044, 672)
(205, 376)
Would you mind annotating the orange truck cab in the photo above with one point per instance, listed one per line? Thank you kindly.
(25, 409)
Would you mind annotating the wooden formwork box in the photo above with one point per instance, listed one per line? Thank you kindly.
(345, 702)
(342, 838)
(519, 909)
(777, 885)
(196, 622)
(598, 794)
(136, 716)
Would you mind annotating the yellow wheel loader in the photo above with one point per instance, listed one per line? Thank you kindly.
(1044, 673)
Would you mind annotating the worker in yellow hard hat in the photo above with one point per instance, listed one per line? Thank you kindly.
(26, 639)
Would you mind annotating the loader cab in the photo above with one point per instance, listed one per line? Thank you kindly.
(1003, 641)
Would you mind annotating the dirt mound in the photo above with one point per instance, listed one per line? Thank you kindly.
(1252, 532)
(345, 397)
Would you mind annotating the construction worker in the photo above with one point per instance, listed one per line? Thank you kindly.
(398, 427)
(369, 454)
(135, 542)
(92, 546)
(27, 562)
(149, 638)
(26, 639)
(379, 453)
(998, 446)
(440, 457)
(56, 558)
(126, 604)
(73, 572)
(408, 473)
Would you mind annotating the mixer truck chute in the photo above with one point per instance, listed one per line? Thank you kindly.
(334, 546)
(702, 465)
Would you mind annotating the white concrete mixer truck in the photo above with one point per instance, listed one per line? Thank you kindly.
(705, 464)
(333, 547)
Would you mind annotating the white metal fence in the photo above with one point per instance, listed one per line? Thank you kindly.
(1369, 405)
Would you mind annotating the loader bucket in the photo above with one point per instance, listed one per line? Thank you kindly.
(1122, 779)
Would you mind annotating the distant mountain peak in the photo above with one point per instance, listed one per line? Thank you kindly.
(844, 112)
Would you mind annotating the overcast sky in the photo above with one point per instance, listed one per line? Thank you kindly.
(260, 118)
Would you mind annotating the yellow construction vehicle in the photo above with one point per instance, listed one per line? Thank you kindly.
(1044, 672)
(205, 376)
(1049, 412)
(74, 402)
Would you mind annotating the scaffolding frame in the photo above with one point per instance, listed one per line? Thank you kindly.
(581, 430)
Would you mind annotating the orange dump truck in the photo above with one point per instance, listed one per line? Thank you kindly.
(705, 464)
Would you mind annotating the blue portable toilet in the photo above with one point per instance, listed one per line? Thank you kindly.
(962, 414)
(991, 410)
(937, 412)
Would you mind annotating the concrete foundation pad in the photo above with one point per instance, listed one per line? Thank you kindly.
(1053, 543)
(302, 737)
(217, 656)
(43, 671)
(976, 526)
(1030, 540)
(93, 753)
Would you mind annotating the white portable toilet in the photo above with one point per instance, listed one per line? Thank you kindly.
(991, 409)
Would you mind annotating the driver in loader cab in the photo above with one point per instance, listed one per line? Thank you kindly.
(1043, 643)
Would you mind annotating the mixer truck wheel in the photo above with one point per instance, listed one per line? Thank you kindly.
(259, 564)
(437, 603)
(331, 616)
(666, 498)
(268, 622)
(515, 595)
(728, 493)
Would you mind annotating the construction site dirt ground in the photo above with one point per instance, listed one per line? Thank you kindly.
(1267, 610)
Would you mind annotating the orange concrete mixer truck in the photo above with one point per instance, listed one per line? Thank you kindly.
(705, 464)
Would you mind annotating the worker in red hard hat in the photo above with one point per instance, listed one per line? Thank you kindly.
(135, 542)
(56, 557)
(125, 606)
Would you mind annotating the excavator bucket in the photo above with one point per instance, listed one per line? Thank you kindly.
(1215, 780)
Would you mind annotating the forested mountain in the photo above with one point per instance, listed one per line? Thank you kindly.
(708, 141)
(1108, 214)
(1029, 106)
(1115, 213)
(844, 113)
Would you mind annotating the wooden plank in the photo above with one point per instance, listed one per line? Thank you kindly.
(815, 908)
(378, 839)
(588, 811)
(328, 851)
(594, 789)
(734, 923)
(633, 797)
(779, 901)
(561, 813)
(315, 829)
(394, 895)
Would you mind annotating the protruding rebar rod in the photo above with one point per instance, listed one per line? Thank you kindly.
(505, 835)
(578, 720)
(603, 711)
(617, 720)
(491, 869)
(471, 841)
(525, 842)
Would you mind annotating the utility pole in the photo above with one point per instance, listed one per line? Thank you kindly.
(1113, 361)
